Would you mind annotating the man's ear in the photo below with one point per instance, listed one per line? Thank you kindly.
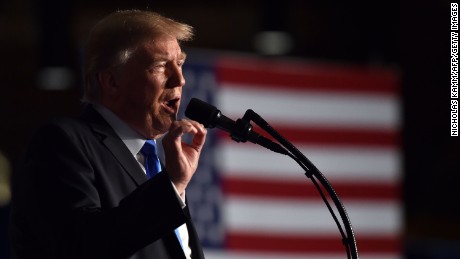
(108, 82)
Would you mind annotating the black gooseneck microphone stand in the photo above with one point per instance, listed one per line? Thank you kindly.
(240, 134)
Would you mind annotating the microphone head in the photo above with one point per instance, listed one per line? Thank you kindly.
(202, 112)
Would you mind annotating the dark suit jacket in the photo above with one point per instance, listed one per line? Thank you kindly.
(81, 194)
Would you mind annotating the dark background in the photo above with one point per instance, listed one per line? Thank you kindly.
(413, 37)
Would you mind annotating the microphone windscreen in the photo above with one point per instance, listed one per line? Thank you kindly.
(202, 112)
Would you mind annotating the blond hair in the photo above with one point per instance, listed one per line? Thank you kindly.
(114, 39)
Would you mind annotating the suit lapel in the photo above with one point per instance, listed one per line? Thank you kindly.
(173, 245)
(127, 161)
(194, 241)
(113, 143)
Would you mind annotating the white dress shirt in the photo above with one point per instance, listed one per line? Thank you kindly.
(134, 142)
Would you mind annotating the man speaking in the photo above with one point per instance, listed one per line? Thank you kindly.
(93, 187)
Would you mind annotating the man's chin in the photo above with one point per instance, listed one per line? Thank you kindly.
(160, 128)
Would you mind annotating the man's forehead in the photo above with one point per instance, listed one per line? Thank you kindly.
(146, 54)
(162, 49)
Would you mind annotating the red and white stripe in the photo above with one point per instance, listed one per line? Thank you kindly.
(346, 121)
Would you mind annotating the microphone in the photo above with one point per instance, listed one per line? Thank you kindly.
(240, 131)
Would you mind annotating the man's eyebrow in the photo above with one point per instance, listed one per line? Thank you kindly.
(156, 58)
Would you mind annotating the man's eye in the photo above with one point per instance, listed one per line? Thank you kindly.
(160, 64)
(157, 66)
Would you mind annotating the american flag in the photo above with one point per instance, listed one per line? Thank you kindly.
(248, 202)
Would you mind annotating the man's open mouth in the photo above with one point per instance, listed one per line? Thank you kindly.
(172, 105)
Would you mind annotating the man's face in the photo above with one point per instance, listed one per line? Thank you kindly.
(150, 86)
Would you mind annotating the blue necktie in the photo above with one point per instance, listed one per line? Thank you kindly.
(153, 166)
(151, 162)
